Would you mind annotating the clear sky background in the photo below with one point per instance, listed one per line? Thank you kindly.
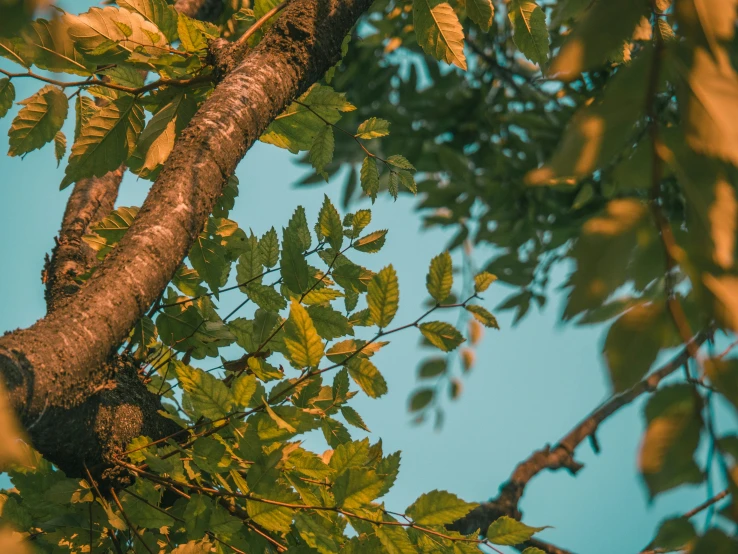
(531, 383)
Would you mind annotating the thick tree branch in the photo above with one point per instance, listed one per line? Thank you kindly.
(562, 454)
(56, 362)
(91, 200)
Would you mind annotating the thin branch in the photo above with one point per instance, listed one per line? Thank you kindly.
(243, 39)
(128, 521)
(562, 454)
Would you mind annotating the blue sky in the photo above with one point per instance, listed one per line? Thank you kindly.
(530, 385)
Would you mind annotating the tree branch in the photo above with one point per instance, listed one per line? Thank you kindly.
(56, 362)
(562, 454)
(91, 200)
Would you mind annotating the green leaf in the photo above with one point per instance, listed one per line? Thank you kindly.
(420, 399)
(7, 96)
(350, 454)
(47, 45)
(105, 141)
(208, 258)
(357, 488)
(666, 459)
(481, 12)
(330, 224)
(297, 126)
(438, 31)
(440, 277)
(156, 12)
(482, 316)
(633, 343)
(38, 121)
(441, 335)
(110, 35)
(321, 151)
(400, 162)
(432, 368)
(373, 128)
(301, 338)
(293, 267)
(209, 395)
(60, 147)
(394, 539)
(352, 417)
(371, 243)
(370, 177)
(482, 281)
(315, 534)
(249, 268)
(383, 296)
(298, 226)
(191, 35)
(107, 232)
(533, 550)
(530, 31)
(509, 532)
(329, 323)
(269, 248)
(673, 534)
(438, 508)
(367, 376)
(266, 297)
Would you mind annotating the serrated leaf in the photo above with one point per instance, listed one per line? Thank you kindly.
(482, 316)
(157, 12)
(269, 248)
(330, 224)
(208, 394)
(367, 376)
(111, 35)
(352, 417)
(439, 32)
(509, 532)
(373, 128)
(481, 12)
(315, 534)
(400, 162)
(394, 539)
(329, 323)
(370, 177)
(298, 226)
(107, 232)
(38, 121)
(249, 268)
(105, 141)
(371, 243)
(529, 30)
(293, 267)
(356, 488)
(60, 147)
(208, 258)
(482, 281)
(440, 277)
(321, 151)
(438, 508)
(266, 297)
(296, 127)
(7, 96)
(441, 335)
(383, 296)
(301, 338)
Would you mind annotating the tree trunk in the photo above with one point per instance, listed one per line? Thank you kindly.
(52, 368)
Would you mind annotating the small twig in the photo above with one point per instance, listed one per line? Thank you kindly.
(128, 521)
(260, 22)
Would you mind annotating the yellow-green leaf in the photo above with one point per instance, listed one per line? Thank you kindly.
(509, 532)
(441, 335)
(439, 32)
(440, 277)
(438, 508)
(482, 281)
(303, 343)
(383, 296)
(529, 29)
(38, 121)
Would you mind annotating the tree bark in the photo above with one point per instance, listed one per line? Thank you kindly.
(91, 200)
(59, 362)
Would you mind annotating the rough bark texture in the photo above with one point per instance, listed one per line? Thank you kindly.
(91, 200)
(58, 363)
